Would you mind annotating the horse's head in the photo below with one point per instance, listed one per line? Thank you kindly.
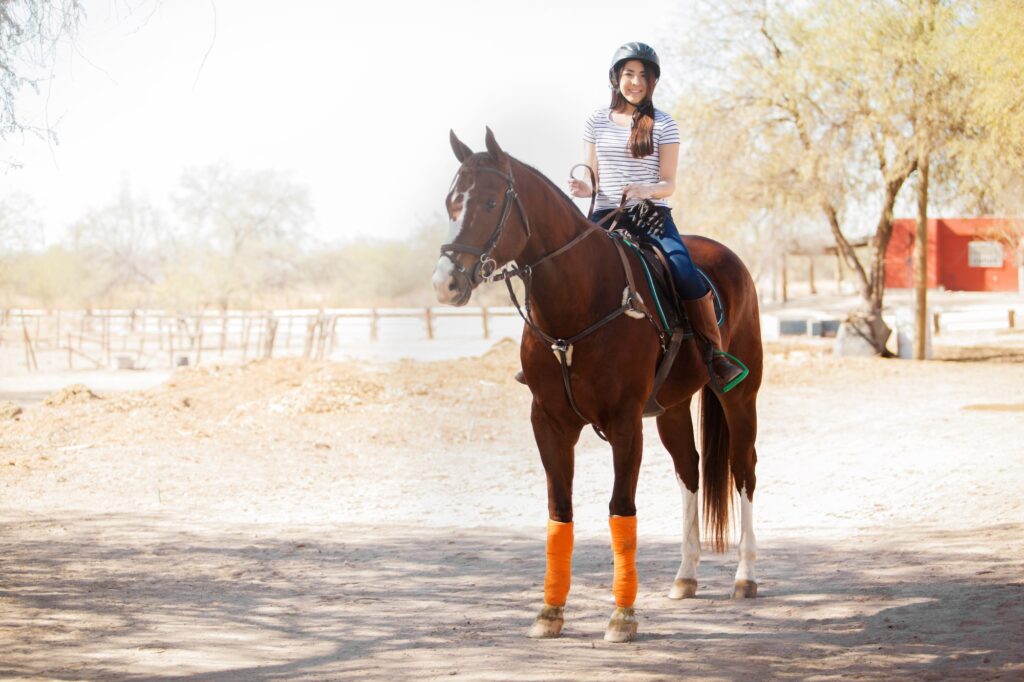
(485, 232)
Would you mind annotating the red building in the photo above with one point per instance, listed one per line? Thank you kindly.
(964, 254)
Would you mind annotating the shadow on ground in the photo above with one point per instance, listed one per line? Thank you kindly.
(117, 597)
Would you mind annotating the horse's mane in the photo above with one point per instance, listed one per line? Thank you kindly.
(554, 188)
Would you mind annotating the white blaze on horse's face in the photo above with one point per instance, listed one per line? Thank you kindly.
(445, 287)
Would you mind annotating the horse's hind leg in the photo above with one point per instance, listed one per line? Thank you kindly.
(741, 415)
(676, 429)
(556, 442)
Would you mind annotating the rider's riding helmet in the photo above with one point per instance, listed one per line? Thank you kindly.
(641, 51)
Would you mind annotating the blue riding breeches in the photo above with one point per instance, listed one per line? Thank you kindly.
(689, 283)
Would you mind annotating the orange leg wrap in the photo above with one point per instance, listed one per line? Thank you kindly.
(559, 571)
(624, 584)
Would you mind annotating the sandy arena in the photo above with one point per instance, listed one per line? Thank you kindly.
(313, 521)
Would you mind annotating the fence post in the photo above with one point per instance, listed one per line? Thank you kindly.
(223, 333)
(785, 280)
(30, 355)
(374, 318)
(484, 315)
(170, 346)
(199, 338)
(430, 323)
(334, 332)
(106, 336)
(260, 335)
(936, 323)
(307, 347)
(70, 353)
(268, 350)
(1012, 318)
(245, 336)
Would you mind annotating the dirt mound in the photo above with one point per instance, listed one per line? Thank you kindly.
(328, 391)
(71, 395)
(9, 410)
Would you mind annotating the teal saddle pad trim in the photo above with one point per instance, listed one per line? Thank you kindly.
(684, 322)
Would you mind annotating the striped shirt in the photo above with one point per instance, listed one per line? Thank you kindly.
(615, 163)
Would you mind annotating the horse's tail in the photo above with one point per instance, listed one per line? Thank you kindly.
(717, 482)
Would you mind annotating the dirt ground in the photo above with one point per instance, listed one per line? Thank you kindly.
(311, 521)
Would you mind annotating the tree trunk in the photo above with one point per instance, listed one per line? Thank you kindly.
(867, 322)
(921, 263)
(844, 250)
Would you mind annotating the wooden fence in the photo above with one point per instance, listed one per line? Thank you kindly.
(126, 339)
(146, 338)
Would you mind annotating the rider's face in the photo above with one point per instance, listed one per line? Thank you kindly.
(633, 81)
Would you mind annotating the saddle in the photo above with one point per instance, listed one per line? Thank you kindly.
(670, 309)
(666, 299)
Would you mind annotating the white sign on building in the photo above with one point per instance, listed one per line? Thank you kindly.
(985, 254)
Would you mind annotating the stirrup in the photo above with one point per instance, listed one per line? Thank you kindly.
(713, 381)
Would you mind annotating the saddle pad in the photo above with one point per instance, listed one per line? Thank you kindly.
(659, 276)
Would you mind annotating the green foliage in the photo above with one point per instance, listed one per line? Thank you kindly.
(51, 279)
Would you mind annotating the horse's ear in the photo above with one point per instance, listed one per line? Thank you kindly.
(496, 152)
(462, 152)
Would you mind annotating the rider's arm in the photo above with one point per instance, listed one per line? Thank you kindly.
(582, 188)
(669, 161)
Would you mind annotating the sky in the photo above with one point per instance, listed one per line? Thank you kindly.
(352, 100)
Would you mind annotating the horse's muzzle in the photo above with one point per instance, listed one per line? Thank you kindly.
(452, 285)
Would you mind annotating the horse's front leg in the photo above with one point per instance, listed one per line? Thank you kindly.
(556, 441)
(626, 438)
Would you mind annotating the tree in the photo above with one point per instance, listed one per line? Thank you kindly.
(990, 55)
(245, 227)
(125, 244)
(29, 33)
(827, 122)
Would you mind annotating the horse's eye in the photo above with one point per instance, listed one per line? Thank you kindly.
(491, 204)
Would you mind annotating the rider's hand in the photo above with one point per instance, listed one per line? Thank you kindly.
(637, 190)
(580, 189)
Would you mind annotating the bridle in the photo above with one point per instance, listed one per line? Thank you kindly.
(485, 266)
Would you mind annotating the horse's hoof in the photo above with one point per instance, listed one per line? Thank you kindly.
(622, 626)
(683, 588)
(744, 589)
(548, 624)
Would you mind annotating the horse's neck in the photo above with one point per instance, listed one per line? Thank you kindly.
(567, 290)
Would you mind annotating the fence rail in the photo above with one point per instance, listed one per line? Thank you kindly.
(145, 338)
(153, 338)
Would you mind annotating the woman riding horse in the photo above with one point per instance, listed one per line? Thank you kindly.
(633, 149)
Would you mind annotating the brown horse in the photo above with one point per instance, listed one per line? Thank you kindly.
(502, 211)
